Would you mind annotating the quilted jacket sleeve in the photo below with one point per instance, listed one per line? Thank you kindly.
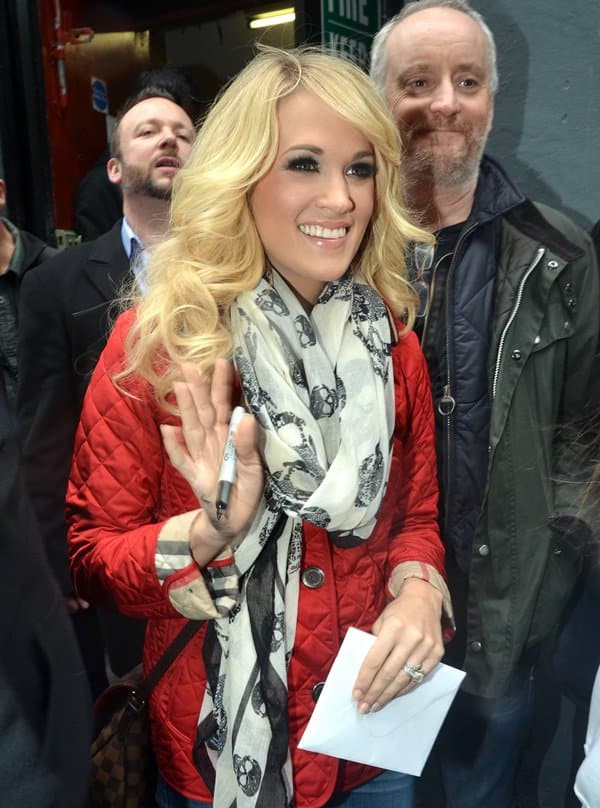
(416, 548)
(128, 511)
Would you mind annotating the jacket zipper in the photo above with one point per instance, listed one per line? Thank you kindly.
(447, 404)
(513, 314)
(430, 298)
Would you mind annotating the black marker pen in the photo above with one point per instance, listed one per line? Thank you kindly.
(228, 464)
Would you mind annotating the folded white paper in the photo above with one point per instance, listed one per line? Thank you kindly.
(398, 737)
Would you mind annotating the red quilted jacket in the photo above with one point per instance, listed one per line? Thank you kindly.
(123, 489)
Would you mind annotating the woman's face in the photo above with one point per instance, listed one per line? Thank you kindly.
(314, 204)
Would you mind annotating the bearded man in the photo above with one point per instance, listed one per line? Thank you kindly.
(509, 326)
(64, 322)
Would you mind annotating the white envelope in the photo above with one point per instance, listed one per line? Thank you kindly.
(398, 737)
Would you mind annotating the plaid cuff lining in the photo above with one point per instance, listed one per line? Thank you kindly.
(173, 552)
(425, 572)
(196, 594)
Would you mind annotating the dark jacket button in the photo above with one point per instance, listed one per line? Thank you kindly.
(516, 354)
(316, 691)
(476, 646)
(313, 577)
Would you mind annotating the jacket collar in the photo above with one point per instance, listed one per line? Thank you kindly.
(16, 263)
(528, 219)
(108, 265)
(35, 251)
(495, 194)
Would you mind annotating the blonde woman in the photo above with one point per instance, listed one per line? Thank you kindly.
(286, 253)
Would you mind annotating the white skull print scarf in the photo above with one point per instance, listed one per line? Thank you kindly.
(321, 388)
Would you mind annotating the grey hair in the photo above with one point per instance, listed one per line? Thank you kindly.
(378, 55)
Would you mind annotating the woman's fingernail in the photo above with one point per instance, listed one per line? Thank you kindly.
(364, 708)
(376, 707)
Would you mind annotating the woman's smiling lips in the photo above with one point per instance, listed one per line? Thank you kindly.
(319, 231)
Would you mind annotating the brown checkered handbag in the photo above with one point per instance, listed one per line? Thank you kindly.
(123, 772)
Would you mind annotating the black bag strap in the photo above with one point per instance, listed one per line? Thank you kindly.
(166, 660)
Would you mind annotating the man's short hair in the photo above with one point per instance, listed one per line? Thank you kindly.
(175, 82)
(378, 54)
(133, 100)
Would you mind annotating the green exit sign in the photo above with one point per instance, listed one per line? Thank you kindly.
(348, 27)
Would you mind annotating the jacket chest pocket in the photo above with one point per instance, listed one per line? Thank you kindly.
(541, 368)
(556, 325)
(560, 311)
(535, 354)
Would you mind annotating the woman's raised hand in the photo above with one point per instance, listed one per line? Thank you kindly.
(196, 450)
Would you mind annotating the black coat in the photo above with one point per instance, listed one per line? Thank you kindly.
(64, 321)
(67, 308)
(33, 253)
(45, 710)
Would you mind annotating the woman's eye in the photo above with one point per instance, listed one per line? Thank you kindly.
(302, 164)
(361, 170)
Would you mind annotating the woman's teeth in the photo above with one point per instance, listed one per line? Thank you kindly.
(322, 232)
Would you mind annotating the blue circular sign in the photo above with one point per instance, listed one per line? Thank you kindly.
(99, 96)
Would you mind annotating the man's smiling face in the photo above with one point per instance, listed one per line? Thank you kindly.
(437, 86)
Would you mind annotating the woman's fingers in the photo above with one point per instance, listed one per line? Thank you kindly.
(399, 673)
(196, 447)
(198, 389)
(176, 447)
(246, 439)
(192, 426)
(205, 406)
(408, 644)
(381, 676)
(222, 390)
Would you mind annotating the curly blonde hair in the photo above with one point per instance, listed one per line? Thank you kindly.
(213, 252)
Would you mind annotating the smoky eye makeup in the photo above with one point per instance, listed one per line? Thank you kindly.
(362, 168)
(301, 163)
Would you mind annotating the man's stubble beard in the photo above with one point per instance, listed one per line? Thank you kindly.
(137, 181)
(444, 170)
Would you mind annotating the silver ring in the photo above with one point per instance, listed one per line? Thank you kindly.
(415, 672)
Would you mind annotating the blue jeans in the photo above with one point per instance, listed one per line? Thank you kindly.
(167, 797)
(477, 751)
(387, 790)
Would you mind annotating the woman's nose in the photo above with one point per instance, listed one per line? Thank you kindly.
(336, 195)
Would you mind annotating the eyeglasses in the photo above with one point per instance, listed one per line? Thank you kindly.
(420, 262)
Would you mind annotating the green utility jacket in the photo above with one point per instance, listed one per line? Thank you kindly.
(530, 537)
